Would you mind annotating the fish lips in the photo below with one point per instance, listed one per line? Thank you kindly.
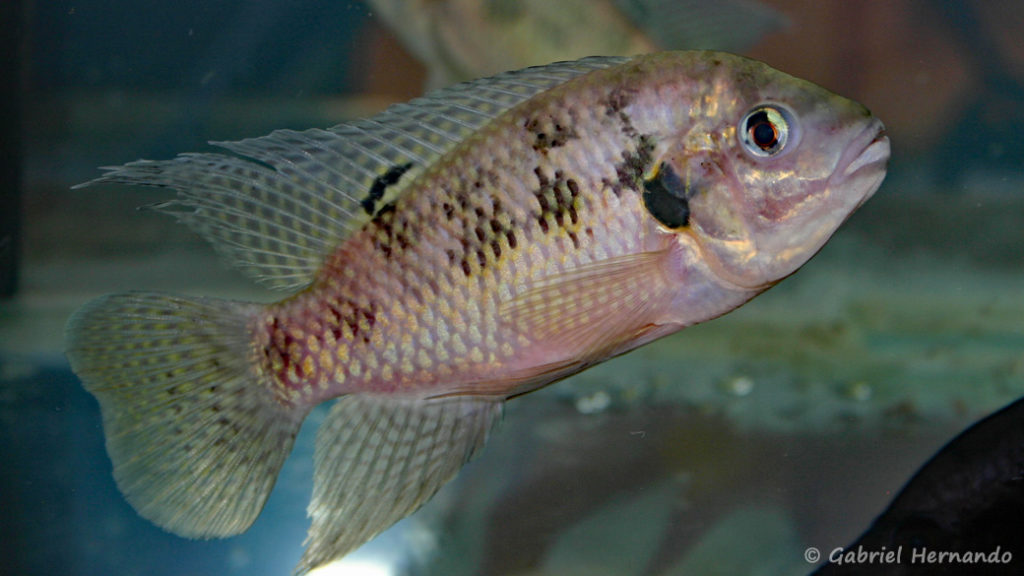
(866, 157)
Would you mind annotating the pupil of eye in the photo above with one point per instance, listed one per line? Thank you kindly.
(764, 135)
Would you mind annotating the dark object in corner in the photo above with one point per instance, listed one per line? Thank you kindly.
(968, 498)
(12, 29)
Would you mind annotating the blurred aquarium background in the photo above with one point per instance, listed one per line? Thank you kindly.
(727, 449)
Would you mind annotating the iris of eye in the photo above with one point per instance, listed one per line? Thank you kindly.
(666, 198)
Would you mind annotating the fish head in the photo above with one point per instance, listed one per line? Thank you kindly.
(768, 167)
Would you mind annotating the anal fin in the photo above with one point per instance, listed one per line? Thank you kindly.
(378, 459)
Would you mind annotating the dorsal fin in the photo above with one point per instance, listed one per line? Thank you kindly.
(277, 218)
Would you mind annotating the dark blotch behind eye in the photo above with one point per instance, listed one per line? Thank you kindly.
(667, 199)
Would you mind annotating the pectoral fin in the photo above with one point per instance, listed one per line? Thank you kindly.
(378, 459)
(588, 312)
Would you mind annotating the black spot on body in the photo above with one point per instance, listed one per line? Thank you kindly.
(360, 320)
(542, 179)
(612, 185)
(392, 231)
(358, 316)
(630, 172)
(667, 198)
(333, 320)
(617, 100)
(380, 185)
(548, 133)
(543, 200)
(477, 220)
(575, 240)
(557, 198)
(384, 211)
(615, 107)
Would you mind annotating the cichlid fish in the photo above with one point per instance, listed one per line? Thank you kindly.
(464, 39)
(444, 256)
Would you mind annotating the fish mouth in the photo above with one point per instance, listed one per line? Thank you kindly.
(876, 151)
(869, 151)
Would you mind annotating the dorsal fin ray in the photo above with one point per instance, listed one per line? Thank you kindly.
(289, 198)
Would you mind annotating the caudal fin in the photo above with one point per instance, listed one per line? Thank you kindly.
(196, 436)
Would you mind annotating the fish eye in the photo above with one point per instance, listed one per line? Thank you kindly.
(765, 130)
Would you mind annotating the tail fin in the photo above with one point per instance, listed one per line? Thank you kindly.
(197, 438)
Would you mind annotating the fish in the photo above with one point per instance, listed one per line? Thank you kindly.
(966, 501)
(463, 39)
(445, 256)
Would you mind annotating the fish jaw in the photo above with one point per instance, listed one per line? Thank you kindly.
(802, 233)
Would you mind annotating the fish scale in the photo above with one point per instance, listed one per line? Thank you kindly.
(398, 242)
(444, 256)
(470, 211)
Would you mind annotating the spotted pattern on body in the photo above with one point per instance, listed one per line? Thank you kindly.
(549, 131)
(559, 199)
(465, 235)
(630, 171)
(477, 217)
